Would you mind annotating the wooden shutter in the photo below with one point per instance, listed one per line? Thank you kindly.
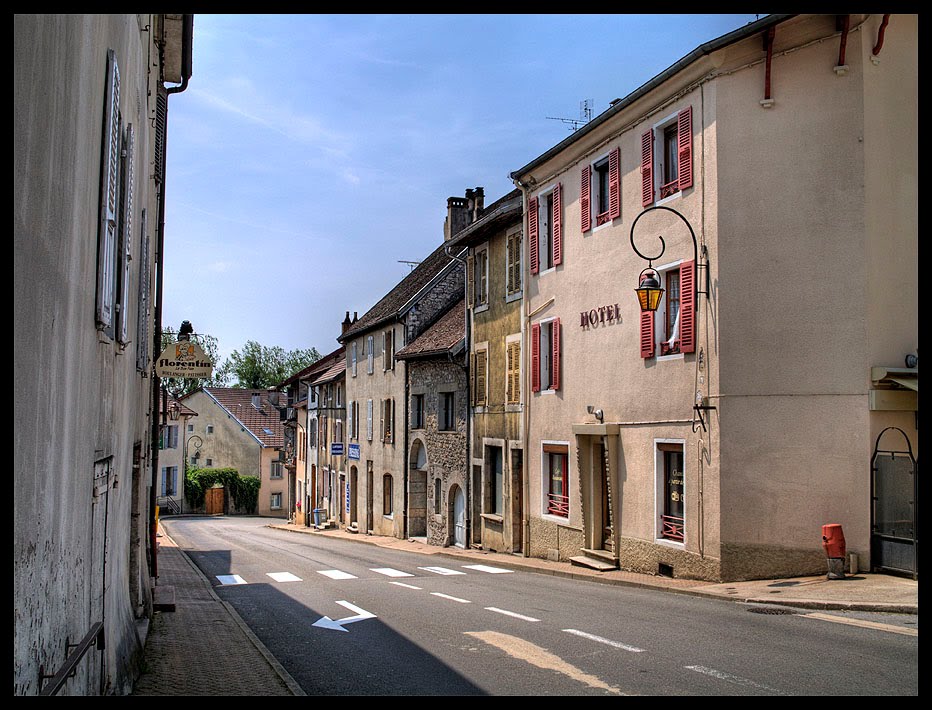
(109, 193)
(535, 357)
(513, 355)
(556, 222)
(369, 420)
(585, 193)
(391, 426)
(688, 307)
(647, 334)
(482, 359)
(647, 168)
(555, 357)
(349, 424)
(470, 280)
(533, 235)
(128, 179)
(684, 137)
(614, 184)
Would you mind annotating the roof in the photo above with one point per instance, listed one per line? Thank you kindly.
(499, 214)
(749, 30)
(336, 370)
(313, 370)
(183, 410)
(264, 424)
(394, 302)
(442, 337)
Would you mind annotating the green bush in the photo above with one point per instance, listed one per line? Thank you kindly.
(243, 489)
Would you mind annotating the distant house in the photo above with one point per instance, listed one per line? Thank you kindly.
(241, 429)
(173, 445)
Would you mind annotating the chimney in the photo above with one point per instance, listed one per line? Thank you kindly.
(257, 400)
(355, 316)
(463, 211)
(346, 323)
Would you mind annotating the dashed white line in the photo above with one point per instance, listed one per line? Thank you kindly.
(600, 639)
(406, 586)
(729, 678)
(452, 599)
(336, 574)
(441, 570)
(283, 577)
(389, 572)
(226, 579)
(490, 570)
(511, 613)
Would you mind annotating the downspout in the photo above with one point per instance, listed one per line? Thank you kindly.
(467, 330)
(883, 28)
(768, 47)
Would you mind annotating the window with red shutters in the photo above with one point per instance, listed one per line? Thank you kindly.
(585, 208)
(676, 314)
(545, 355)
(668, 170)
(647, 168)
(600, 185)
(535, 357)
(545, 230)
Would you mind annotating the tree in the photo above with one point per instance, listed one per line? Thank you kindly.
(261, 367)
(182, 386)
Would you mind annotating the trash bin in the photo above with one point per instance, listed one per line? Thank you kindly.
(318, 515)
(833, 542)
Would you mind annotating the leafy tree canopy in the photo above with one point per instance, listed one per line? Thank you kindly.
(259, 366)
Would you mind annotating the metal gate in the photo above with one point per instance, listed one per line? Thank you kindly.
(894, 508)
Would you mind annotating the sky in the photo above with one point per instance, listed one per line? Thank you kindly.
(311, 156)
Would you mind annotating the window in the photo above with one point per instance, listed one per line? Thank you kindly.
(353, 422)
(275, 502)
(276, 469)
(513, 265)
(338, 431)
(545, 230)
(369, 420)
(302, 445)
(545, 356)
(339, 394)
(673, 509)
(353, 358)
(446, 416)
(668, 170)
(600, 191)
(324, 432)
(169, 480)
(513, 372)
(190, 428)
(480, 365)
(370, 344)
(674, 322)
(555, 464)
(109, 199)
(124, 249)
(417, 411)
(494, 463)
(210, 428)
(208, 463)
(387, 495)
(478, 277)
(169, 437)
(388, 350)
(312, 432)
(437, 504)
(388, 418)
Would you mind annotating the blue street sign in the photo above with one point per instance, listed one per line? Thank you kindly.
(354, 452)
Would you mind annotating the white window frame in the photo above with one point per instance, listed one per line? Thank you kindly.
(595, 191)
(545, 482)
(659, 493)
(660, 315)
(369, 420)
(545, 217)
(659, 156)
(353, 357)
(275, 470)
(275, 501)
(546, 345)
(370, 354)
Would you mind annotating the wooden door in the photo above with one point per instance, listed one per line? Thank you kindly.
(213, 501)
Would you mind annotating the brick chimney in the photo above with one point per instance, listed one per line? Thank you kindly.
(346, 323)
(463, 211)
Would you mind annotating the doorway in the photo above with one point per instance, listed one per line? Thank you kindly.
(459, 517)
(894, 492)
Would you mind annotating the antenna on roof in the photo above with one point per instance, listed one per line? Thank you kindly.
(411, 264)
(585, 115)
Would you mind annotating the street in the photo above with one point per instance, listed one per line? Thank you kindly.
(345, 618)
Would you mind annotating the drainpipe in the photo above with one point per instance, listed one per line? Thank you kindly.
(187, 37)
(467, 330)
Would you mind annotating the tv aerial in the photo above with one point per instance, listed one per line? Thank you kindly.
(585, 115)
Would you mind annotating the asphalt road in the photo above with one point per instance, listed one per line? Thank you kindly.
(352, 619)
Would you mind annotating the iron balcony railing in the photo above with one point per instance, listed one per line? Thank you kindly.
(558, 505)
(673, 528)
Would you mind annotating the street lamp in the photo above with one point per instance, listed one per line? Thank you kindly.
(197, 446)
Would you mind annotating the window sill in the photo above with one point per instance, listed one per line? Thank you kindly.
(516, 296)
(493, 518)
(670, 543)
(480, 307)
(669, 198)
(563, 522)
(676, 356)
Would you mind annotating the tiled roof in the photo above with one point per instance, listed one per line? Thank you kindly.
(313, 368)
(183, 410)
(392, 303)
(265, 423)
(335, 371)
(439, 338)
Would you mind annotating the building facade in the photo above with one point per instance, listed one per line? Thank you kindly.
(90, 95)
(714, 437)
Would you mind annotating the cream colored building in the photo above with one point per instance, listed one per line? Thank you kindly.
(714, 438)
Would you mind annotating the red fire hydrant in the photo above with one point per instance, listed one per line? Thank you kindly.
(833, 542)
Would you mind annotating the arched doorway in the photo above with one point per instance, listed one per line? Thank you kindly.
(458, 516)
(417, 490)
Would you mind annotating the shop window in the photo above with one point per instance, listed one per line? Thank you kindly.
(494, 463)
(555, 465)
(672, 512)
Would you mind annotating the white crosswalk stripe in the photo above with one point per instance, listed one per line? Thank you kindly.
(441, 570)
(227, 579)
(490, 570)
(284, 577)
(336, 574)
(389, 572)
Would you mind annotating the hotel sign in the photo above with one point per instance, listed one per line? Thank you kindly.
(598, 315)
(184, 359)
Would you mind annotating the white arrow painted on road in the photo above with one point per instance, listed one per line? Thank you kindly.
(327, 623)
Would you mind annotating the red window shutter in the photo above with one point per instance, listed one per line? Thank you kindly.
(557, 224)
(533, 235)
(647, 168)
(647, 334)
(555, 349)
(614, 184)
(535, 357)
(684, 138)
(585, 211)
(688, 307)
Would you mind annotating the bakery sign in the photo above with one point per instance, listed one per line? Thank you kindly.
(184, 359)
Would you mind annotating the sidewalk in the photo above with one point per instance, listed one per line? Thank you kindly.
(204, 648)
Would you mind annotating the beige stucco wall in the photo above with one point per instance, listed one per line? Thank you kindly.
(271, 486)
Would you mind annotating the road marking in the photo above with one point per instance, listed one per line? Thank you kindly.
(406, 586)
(325, 622)
(511, 613)
(452, 599)
(441, 570)
(226, 579)
(284, 577)
(615, 644)
(490, 570)
(336, 574)
(389, 572)
(862, 623)
(540, 657)
(729, 678)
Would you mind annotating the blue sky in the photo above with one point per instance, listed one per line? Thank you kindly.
(312, 154)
